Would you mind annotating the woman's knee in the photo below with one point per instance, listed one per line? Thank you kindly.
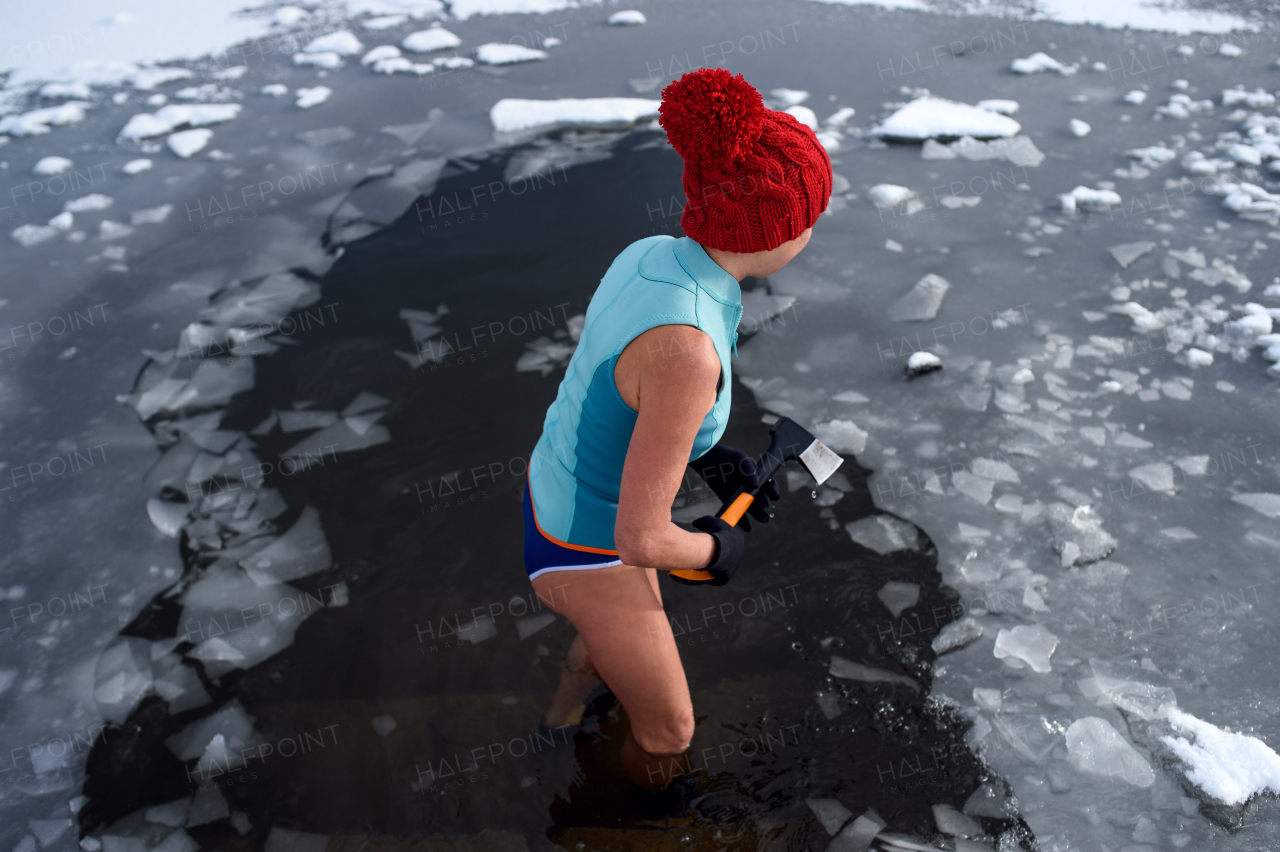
(666, 734)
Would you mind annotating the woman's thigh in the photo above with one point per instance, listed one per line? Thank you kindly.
(618, 612)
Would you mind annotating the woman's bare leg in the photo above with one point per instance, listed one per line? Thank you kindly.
(577, 680)
(626, 635)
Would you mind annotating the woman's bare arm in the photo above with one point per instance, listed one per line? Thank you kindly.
(669, 375)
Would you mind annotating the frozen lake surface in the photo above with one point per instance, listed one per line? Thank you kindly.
(283, 317)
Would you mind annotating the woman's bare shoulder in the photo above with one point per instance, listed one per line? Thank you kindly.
(667, 354)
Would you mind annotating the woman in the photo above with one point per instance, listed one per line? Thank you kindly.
(646, 393)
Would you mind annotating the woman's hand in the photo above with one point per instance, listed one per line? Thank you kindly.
(724, 469)
(669, 375)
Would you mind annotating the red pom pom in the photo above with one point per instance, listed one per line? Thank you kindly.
(711, 117)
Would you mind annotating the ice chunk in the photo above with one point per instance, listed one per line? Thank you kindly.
(313, 96)
(30, 235)
(887, 195)
(168, 517)
(883, 533)
(988, 699)
(208, 806)
(1031, 643)
(1262, 502)
(382, 51)
(501, 53)
(185, 143)
(626, 18)
(51, 166)
(1080, 528)
(1019, 150)
(1038, 62)
(275, 90)
(1153, 156)
(987, 801)
(383, 724)
(1134, 96)
(87, 203)
(804, 115)
(857, 835)
(898, 596)
(427, 41)
(936, 118)
(170, 118)
(121, 677)
(1000, 105)
(1079, 128)
(300, 552)
(171, 813)
(849, 670)
(47, 831)
(341, 42)
(120, 843)
(994, 469)
(922, 301)
(178, 841)
(514, 115)
(1093, 746)
(828, 703)
(1230, 767)
(830, 813)
(951, 821)
(974, 487)
(1154, 477)
(957, 635)
(1084, 198)
(1127, 253)
(842, 436)
(920, 363)
(41, 121)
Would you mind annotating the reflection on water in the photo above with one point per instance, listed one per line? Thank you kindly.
(407, 708)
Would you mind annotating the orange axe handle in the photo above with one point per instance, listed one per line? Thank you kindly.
(730, 516)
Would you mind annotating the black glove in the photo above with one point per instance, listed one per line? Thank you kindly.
(724, 469)
(730, 544)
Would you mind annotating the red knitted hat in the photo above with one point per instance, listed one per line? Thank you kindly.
(754, 177)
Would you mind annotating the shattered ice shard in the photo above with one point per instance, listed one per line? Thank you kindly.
(922, 301)
(920, 363)
(300, 552)
(383, 724)
(830, 813)
(931, 117)
(898, 596)
(1127, 253)
(849, 670)
(1080, 531)
(1033, 644)
(887, 195)
(514, 115)
(883, 533)
(957, 635)
(1093, 746)
(842, 436)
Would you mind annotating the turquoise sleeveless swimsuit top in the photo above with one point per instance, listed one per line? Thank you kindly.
(575, 472)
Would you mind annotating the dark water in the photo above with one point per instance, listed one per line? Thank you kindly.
(467, 755)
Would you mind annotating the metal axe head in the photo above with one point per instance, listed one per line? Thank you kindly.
(793, 441)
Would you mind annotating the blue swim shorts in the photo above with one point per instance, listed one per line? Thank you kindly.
(542, 553)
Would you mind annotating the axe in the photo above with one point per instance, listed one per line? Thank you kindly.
(790, 441)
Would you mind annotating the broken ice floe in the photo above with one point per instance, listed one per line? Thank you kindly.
(1030, 644)
(957, 635)
(1078, 128)
(1092, 200)
(429, 41)
(1078, 536)
(849, 670)
(170, 118)
(500, 53)
(922, 363)
(931, 117)
(1095, 747)
(1019, 150)
(922, 301)
(1040, 62)
(883, 533)
(518, 115)
(626, 18)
